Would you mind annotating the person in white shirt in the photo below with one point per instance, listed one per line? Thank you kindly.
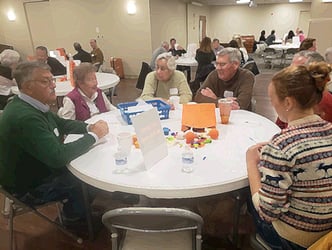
(8, 61)
(86, 99)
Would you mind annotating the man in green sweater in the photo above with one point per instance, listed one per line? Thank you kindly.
(33, 157)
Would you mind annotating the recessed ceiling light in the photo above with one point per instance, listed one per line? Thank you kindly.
(295, 1)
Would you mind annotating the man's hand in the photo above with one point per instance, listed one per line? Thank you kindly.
(100, 128)
(235, 104)
(209, 93)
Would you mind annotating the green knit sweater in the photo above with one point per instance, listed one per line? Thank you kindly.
(31, 145)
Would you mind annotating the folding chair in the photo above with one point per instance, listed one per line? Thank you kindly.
(271, 56)
(288, 56)
(154, 228)
(145, 69)
(252, 66)
(14, 207)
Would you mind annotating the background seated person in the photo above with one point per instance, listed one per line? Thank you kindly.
(216, 46)
(178, 51)
(33, 157)
(8, 61)
(228, 77)
(290, 176)
(175, 49)
(56, 67)
(162, 49)
(271, 38)
(234, 44)
(324, 107)
(243, 49)
(86, 99)
(81, 54)
(166, 80)
(308, 44)
(97, 56)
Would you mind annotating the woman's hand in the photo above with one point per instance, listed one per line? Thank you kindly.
(252, 159)
(253, 153)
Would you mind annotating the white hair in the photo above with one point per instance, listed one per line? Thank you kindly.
(328, 55)
(8, 57)
(171, 65)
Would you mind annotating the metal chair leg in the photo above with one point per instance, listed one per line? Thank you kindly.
(236, 219)
(11, 225)
(6, 207)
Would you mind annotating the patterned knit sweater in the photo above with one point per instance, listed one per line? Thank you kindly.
(296, 170)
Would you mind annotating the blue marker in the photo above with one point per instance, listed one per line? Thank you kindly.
(204, 158)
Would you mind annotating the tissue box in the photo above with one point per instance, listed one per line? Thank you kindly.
(162, 107)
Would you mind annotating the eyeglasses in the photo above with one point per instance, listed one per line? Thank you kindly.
(222, 65)
(46, 81)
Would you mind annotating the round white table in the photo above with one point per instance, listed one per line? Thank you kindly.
(219, 167)
(284, 46)
(105, 81)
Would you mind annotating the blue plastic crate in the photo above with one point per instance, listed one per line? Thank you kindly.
(162, 107)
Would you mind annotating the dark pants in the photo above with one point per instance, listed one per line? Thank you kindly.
(185, 69)
(64, 187)
(269, 234)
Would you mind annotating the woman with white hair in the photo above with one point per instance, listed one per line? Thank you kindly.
(86, 99)
(165, 81)
(8, 61)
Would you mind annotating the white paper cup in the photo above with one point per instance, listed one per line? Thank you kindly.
(175, 101)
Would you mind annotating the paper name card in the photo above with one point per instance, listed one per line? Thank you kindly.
(150, 137)
(139, 108)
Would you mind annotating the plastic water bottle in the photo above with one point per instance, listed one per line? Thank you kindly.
(187, 160)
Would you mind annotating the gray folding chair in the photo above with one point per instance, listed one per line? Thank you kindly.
(14, 207)
(154, 228)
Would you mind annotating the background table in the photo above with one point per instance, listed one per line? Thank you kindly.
(186, 61)
(219, 167)
(105, 81)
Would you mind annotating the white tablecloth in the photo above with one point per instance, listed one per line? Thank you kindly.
(219, 166)
(186, 61)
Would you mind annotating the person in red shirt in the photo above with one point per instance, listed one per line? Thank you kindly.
(324, 108)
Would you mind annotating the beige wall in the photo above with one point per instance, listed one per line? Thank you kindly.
(58, 23)
(229, 20)
(168, 19)
(193, 22)
(320, 24)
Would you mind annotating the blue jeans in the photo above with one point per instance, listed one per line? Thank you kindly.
(268, 233)
(64, 187)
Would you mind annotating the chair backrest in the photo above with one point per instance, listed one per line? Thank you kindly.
(145, 69)
(269, 50)
(252, 66)
(154, 220)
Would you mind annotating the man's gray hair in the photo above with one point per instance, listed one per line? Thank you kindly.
(164, 43)
(233, 53)
(8, 57)
(328, 55)
(312, 56)
(171, 65)
(23, 72)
